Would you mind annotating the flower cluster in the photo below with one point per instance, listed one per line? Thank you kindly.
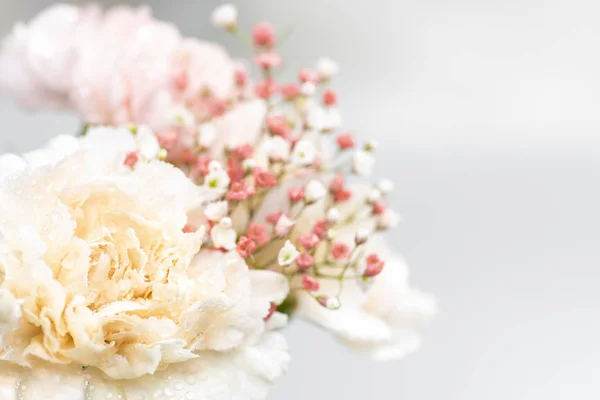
(198, 209)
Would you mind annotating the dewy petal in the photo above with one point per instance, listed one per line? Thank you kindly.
(246, 373)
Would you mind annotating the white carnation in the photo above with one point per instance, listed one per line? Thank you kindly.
(98, 272)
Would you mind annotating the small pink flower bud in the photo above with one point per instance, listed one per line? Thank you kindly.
(217, 107)
(309, 240)
(266, 89)
(290, 91)
(240, 191)
(245, 247)
(308, 75)
(304, 261)
(263, 35)
(131, 159)
(268, 60)
(296, 194)
(283, 225)
(241, 77)
(379, 207)
(337, 183)
(201, 164)
(273, 217)
(264, 178)
(235, 171)
(278, 125)
(258, 233)
(332, 303)
(342, 195)
(340, 251)
(244, 151)
(166, 139)
(309, 283)
(189, 229)
(346, 141)
(180, 81)
(329, 97)
(374, 265)
(320, 228)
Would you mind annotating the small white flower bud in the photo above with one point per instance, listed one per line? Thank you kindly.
(225, 16)
(327, 68)
(314, 191)
(333, 216)
(308, 89)
(361, 237)
(388, 219)
(329, 302)
(386, 186)
(373, 196)
(362, 163)
(277, 148)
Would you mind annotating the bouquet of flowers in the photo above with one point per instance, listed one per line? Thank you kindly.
(158, 253)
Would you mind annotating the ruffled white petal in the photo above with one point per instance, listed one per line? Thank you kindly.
(243, 374)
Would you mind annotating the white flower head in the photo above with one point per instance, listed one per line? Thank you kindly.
(277, 148)
(386, 186)
(217, 180)
(223, 235)
(333, 216)
(206, 134)
(327, 68)
(225, 16)
(314, 191)
(288, 254)
(363, 163)
(304, 153)
(216, 211)
(283, 225)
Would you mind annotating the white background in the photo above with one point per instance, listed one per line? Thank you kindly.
(488, 117)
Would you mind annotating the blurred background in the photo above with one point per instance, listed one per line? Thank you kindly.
(487, 116)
